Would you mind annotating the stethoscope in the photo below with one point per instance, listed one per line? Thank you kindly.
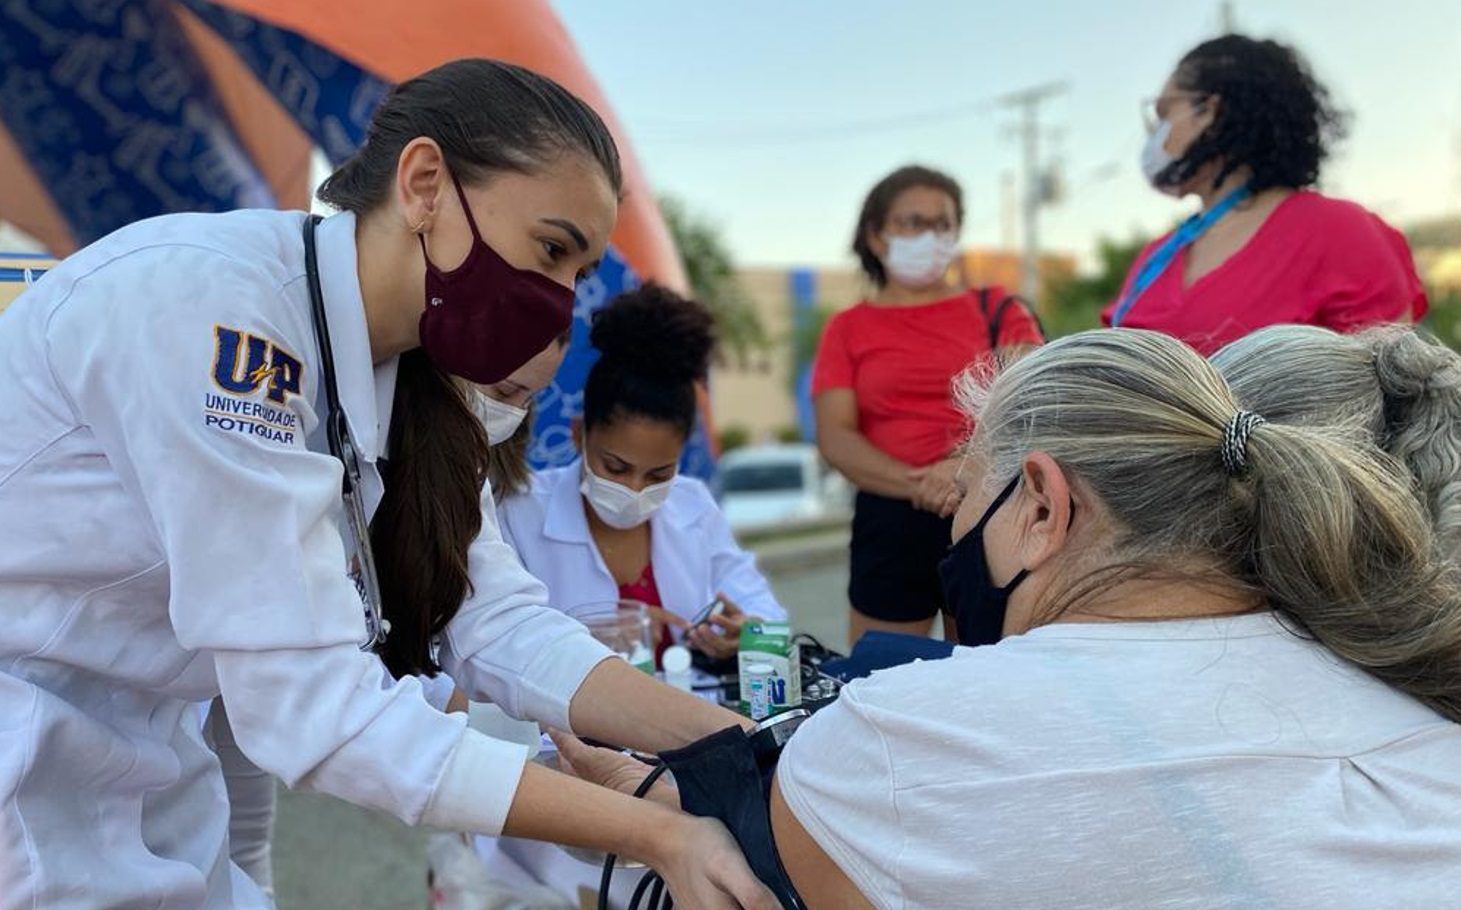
(342, 446)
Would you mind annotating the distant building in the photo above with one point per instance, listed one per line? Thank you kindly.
(759, 396)
(983, 266)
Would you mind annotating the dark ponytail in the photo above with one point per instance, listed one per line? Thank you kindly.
(430, 514)
(654, 346)
(487, 117)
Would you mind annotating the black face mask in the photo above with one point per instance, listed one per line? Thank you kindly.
(978, 604)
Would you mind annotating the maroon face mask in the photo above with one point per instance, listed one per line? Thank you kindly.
(484, 318)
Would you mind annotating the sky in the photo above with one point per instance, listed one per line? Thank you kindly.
(772, 118)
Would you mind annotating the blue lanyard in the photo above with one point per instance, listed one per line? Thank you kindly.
(1181, 238)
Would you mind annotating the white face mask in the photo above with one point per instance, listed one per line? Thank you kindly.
(1154, 155)
(499, 418)
(617, 505)
(922, 260)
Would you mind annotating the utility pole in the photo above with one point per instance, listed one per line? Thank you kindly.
(1009, 205)
(1028, 102)
(1457, 143)
(1227, 22)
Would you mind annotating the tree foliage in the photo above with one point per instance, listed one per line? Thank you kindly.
(1074, 304)
(712, 274)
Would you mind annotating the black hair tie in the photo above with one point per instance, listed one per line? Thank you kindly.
(1235, 441)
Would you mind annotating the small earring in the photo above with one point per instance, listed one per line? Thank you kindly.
(419, 226)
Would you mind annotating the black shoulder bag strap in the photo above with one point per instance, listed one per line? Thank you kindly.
(996, 319)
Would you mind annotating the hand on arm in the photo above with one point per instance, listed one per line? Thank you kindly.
(614, 770)
(938, 491)
(697, 857)
(817, 878)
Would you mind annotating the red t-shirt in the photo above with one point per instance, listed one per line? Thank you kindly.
(1315, 260)
(900, 362)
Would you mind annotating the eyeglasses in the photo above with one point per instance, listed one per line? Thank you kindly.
(912, 224)
(1155, 110)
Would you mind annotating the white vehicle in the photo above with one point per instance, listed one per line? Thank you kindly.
(766, 486)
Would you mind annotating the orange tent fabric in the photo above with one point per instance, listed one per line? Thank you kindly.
(279, 148)
(26, 204)
(397, 41)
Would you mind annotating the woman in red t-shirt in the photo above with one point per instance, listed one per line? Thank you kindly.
(882, 390)
(1243, 125)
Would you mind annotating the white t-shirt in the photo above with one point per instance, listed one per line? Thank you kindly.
(1179, 765)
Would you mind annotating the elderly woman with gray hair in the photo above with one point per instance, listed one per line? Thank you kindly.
(1395, 385)
(1230, 670)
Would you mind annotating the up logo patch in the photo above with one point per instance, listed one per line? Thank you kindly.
(244, 363)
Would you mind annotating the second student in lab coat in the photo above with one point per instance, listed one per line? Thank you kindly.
(622, 523)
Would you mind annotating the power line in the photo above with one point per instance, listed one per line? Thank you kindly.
(719, 133)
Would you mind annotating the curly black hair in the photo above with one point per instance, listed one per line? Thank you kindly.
(1275, 117)
(654, 345)
(880, 200)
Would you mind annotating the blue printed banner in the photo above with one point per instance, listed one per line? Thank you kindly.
(113, 109)
(112, 106)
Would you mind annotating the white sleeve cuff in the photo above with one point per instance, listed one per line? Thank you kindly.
(438, 690)
(477, 785)
(555, 675)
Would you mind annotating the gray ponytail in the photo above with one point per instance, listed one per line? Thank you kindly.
(1394, 385)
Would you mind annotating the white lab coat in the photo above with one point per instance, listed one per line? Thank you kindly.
(693, 552)
(153, 554)
(694, 555)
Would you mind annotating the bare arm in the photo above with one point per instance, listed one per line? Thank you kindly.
(846, 449)
(621, 705)
(819, 881)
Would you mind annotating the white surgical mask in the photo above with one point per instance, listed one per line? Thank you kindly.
(619, 506)
(1154, 155)
(922, 260)
(499, 418)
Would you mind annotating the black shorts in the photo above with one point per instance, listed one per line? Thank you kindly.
(896, 550)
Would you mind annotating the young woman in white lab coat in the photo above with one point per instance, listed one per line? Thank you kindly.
(622, 523)
(504, 409)
(174, 525)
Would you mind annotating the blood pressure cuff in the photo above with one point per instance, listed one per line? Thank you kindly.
(881, 650)
(721, 777)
